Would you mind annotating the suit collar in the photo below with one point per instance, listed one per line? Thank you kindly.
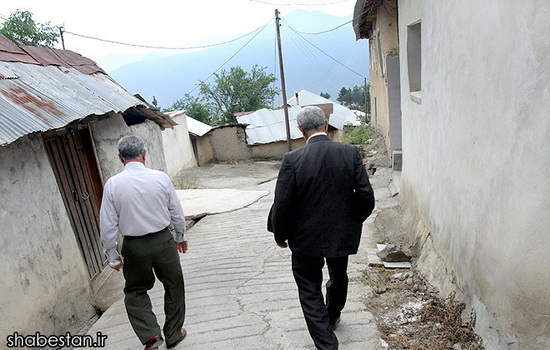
(318, 138)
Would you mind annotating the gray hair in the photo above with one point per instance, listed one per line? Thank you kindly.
(311, 118)
(130, 147)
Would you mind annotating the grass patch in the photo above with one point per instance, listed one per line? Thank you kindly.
(358, 135)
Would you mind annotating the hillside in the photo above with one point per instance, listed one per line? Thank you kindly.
(169, 77)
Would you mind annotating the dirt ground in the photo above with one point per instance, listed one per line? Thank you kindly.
(410, 313)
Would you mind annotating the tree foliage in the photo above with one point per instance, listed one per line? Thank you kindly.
(238, 91)
(325, 95)
(195, 107)
(354, 98)
(20, 27)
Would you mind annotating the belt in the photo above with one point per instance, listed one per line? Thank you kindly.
(146, 235)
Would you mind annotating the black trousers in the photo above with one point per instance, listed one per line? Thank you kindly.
(308, 274)
(145, 257)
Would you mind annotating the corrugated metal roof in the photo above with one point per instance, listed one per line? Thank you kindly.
(55, 91)
(340, 116)
(267, 125)
(196, 127)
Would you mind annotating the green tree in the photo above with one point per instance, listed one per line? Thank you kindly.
(154, 102)
(20, 27)
(354, 98)
(194, 107)
(238, 91)
(325, 95)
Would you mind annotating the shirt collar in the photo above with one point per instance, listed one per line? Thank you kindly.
(316, 134)
(134, 165)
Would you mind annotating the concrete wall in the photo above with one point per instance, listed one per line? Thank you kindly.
(229, 143)
(45, 284)
(274, 150)
(106, 134)
(476, 161)
(177, 146)
(204, 150)
(383, 43)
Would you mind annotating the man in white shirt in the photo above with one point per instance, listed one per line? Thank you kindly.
(140, 203)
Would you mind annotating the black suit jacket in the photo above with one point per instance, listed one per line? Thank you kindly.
(322, 197)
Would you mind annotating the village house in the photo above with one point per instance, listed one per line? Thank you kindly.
(264, 131)
(462, 87)
(60, 119)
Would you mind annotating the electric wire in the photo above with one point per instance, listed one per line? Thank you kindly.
(310, 55)
(334, 59)
(230, 58)
(343, 24)
(307, 52)
(298, 4)
(169, 48)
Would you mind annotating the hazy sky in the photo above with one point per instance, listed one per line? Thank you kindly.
(169, 23)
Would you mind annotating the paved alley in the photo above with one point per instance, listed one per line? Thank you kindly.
(240, 292)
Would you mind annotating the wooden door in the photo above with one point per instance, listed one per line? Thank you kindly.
(75, 166)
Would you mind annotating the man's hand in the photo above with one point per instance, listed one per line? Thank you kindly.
(182, 246)
(117, 265)
(282, 244)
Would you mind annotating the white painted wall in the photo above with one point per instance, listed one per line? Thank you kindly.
(106, 134)
(476, 156)
(177, 146)
(45, 285)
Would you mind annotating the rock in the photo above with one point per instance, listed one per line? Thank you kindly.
(393, 253)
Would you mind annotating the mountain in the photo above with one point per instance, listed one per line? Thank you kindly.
(306, 67)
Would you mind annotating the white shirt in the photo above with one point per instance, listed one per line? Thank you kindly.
(136, 202)
(316, 134)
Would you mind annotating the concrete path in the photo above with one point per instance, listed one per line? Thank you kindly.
(239, 288)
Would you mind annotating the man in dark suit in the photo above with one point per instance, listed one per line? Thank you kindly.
(322, 197)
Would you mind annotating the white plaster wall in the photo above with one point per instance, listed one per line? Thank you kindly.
(476, 156)
(177, 146)
(106, 134)
(45, 285)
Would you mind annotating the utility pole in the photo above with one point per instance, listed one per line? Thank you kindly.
(62, 39)
(366, 102)
(283, 89)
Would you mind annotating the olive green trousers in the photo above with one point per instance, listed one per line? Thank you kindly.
(144, 258)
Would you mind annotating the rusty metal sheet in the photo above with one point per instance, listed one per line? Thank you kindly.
(7, 46)
(59, 87)
(16, 57)
(44, 55)
(46, 98)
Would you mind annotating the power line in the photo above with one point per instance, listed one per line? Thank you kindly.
(235, 54)
(308, 53)
(298, 4)
(168, 48)
(333, 29)
(334, 59)
(325, 31)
